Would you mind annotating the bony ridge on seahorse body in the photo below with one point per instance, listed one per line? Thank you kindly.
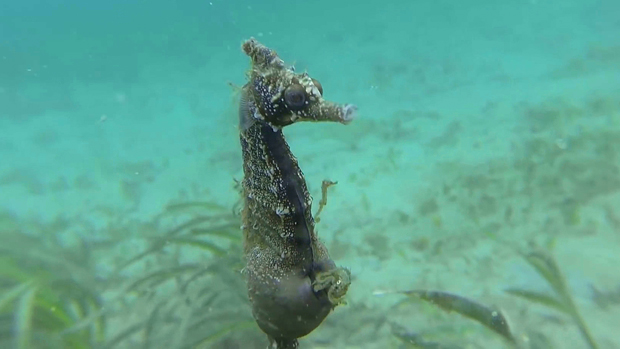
(292, 282)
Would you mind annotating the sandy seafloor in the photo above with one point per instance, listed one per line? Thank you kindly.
(481, 128)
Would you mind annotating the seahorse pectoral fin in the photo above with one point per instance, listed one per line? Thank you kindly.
(246, 111)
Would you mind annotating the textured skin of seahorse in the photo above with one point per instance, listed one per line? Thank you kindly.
(292, 282)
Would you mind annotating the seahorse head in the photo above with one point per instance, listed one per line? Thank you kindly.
(279, 96)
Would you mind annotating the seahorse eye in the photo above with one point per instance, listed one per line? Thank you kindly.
(318, 85)
(295, 97)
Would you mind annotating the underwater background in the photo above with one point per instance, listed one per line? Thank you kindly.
(484, 163)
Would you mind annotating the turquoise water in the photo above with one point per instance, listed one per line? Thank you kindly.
(486, 131)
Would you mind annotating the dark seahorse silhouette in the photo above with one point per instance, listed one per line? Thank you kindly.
(292, 282)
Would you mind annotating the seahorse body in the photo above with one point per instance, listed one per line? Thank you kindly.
(292, 283)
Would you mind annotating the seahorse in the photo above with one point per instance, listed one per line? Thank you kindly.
(292, 282)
